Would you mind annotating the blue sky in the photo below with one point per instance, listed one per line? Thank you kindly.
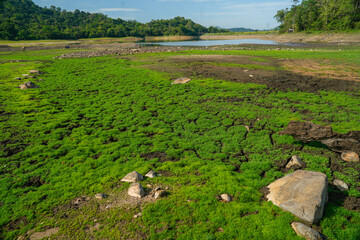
(224, 13)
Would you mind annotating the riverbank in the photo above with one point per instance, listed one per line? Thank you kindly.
(292, 37)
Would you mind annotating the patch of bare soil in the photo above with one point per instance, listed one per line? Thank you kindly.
(44, 234)
(322, 70)
(202, 66)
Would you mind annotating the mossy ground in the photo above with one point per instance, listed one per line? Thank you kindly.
(93, 120)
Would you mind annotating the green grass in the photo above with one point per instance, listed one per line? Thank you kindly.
(94, 120)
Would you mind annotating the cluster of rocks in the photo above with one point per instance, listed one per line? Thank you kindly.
(32, 74)
(137, 190)
(120, 51)
(304, 193)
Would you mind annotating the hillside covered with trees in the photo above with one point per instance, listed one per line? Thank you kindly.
(320, 15)
(24, 20)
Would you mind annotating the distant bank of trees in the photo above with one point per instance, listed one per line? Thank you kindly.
(320, 15)
(24, 20)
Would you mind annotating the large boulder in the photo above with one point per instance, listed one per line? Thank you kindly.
(303, 193)
(132, 177)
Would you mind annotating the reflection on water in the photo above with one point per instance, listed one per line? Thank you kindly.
(208, 43)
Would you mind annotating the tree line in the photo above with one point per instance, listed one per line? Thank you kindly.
(24, 20)
(320, 15)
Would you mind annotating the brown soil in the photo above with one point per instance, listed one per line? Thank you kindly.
(293, 37)
(322, 70)
(202, 66)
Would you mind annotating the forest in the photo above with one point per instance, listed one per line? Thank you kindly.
(320, 15)
(24, 20)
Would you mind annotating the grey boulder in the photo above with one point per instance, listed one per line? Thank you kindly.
(302, 193)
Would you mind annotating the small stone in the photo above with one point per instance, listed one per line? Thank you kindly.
(341, 185)
(18, 78)
(306, 232)
(350, 156)
(225, 197)
(137, 215)
(28, 85)
(295, 163)
(101, 195)
(25, 75)
(251, 75)
(247, 128)
(151, 174)
(132, 177)
(136, 190)
(35, 72)
(246, 70)
(159, 194)
(181, 80)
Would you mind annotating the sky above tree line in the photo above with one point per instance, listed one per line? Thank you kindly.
(254, 14)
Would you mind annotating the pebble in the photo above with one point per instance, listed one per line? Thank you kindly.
(101, 195)
(341, 185)
(225, 197)
(151, 174)
(350, 156)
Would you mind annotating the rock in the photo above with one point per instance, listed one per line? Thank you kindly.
(225, 197)
(308, 132)
(251, 75)
(101, 195)
(25, 75)
(136, 190)
(159, 194)
(306, 232)
(295, 163)
(81, 200)
(151, 174)
(181, 80)
(303, 193)
(28, 85)
(132, 177)
(350, 156)
(341, 185)
(137, 215)
(246, 70)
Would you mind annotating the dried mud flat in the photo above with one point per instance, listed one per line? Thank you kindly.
(285, 74)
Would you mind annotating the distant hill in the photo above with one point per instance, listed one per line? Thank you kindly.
(241, 29)
(24, 20)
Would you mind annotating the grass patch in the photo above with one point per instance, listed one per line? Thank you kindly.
(93, 120)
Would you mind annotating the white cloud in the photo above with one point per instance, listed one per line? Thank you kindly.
(258, 5)
(119, 10)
